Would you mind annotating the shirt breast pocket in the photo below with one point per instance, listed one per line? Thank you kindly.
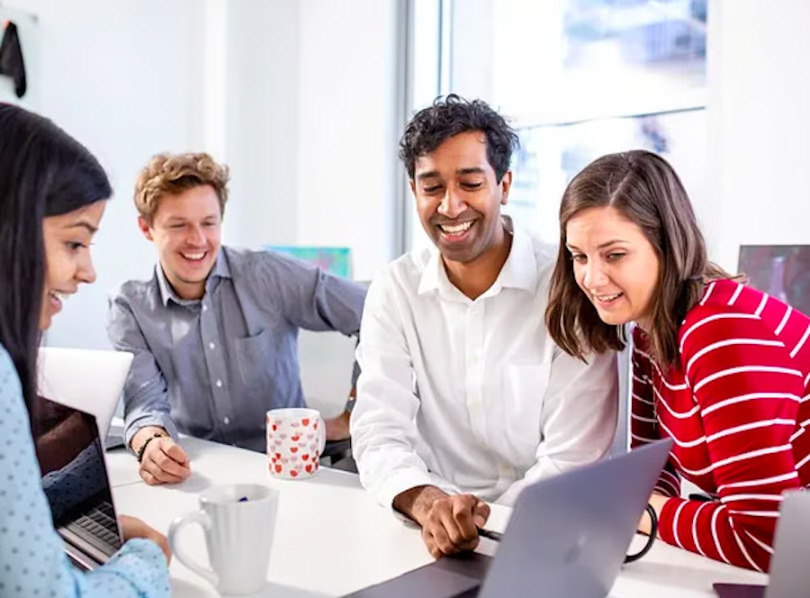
(524, 388)
(256, 357)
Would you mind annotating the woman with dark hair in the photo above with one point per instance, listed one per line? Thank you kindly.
(52, 197)
(718, 366)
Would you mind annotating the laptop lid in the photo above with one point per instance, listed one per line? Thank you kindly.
(74, 478)
(84, 379)
(568, 535)
(790, 576)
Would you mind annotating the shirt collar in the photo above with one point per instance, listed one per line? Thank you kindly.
(220, 270)
(518, 272)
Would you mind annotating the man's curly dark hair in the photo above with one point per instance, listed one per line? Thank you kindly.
(449, 116)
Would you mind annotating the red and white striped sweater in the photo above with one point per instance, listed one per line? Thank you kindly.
(738, 409)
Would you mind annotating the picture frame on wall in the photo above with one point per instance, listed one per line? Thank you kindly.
(782, 271)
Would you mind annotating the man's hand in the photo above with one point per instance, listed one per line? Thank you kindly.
(163, 461)
(337, 428)
(449, 522)
(132, 527)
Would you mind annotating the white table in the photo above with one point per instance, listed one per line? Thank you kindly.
(331, 538)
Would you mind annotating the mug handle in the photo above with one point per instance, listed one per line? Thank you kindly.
(203, 519)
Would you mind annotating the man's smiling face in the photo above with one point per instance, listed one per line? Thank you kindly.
(458, 197)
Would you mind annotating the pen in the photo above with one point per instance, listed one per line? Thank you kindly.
(486, 533)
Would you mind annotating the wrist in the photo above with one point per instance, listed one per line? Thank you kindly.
(417, 502)
(143, 435)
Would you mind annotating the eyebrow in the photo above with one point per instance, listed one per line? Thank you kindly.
(602, 246)
(84, 224)
(183, 220)
(435, 173)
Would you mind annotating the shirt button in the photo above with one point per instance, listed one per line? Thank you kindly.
(219, 383)
(205, 307)
(211, 346)
(226, 420)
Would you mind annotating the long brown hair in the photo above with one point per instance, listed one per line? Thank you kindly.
(645, 189)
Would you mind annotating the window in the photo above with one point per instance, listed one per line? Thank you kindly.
(578, 79)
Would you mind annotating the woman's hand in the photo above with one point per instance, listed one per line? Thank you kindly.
(657, 500)
(132, 527)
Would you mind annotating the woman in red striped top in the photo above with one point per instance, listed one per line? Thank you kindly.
(719, 367)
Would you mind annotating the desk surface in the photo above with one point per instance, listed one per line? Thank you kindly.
(333, 539)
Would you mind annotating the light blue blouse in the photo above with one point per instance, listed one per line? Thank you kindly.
(32, 561)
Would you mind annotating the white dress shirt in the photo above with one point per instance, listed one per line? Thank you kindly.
(473, 396)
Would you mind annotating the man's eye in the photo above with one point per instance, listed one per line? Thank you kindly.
(471, 186)
(433, 189)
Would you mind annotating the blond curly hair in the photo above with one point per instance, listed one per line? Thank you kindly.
(175, 173)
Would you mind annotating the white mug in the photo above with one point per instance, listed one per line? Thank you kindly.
(295, 441)
(238, 520)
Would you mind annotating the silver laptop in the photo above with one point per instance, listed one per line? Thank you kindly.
(567, 536)
(84, 379)
(789, 575)
(74, 478)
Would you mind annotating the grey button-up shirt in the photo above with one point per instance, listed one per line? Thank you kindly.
(213, 367)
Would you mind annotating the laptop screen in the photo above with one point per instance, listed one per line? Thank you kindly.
(74, 478)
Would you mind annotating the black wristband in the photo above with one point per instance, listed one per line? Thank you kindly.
(142, 450)
(630, 558)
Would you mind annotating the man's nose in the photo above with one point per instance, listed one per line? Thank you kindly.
(452, 204)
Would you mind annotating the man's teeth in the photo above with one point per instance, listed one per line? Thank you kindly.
(194, 256)
(455, 229)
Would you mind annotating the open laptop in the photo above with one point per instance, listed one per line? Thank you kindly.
(84, 379)
(567, 536)
(74, 478)
(789, 575)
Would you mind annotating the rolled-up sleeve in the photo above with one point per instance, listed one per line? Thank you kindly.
(579, 417)
(311, 298)
(146, 395)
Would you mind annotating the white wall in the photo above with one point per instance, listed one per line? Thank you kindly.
(302, 110)
(348, 129)
(759, 94)
(123, 78)
(261, 121)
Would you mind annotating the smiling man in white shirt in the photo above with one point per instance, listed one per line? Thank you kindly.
(463, 397)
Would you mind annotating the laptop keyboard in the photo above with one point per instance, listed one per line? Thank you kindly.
(100, 523)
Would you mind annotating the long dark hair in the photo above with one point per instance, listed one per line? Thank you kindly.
(43, 172)
(645, 189)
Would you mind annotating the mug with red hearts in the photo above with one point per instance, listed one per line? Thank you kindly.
(295, 441)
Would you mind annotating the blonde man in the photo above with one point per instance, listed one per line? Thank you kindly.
(214, 331)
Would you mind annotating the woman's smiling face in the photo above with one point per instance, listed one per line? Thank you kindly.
(614, 264)
(67, 239)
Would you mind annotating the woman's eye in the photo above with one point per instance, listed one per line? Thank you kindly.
(74, 245)
(613, 257)
(579, 258)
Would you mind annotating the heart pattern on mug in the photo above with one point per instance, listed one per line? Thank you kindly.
(292, 446)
